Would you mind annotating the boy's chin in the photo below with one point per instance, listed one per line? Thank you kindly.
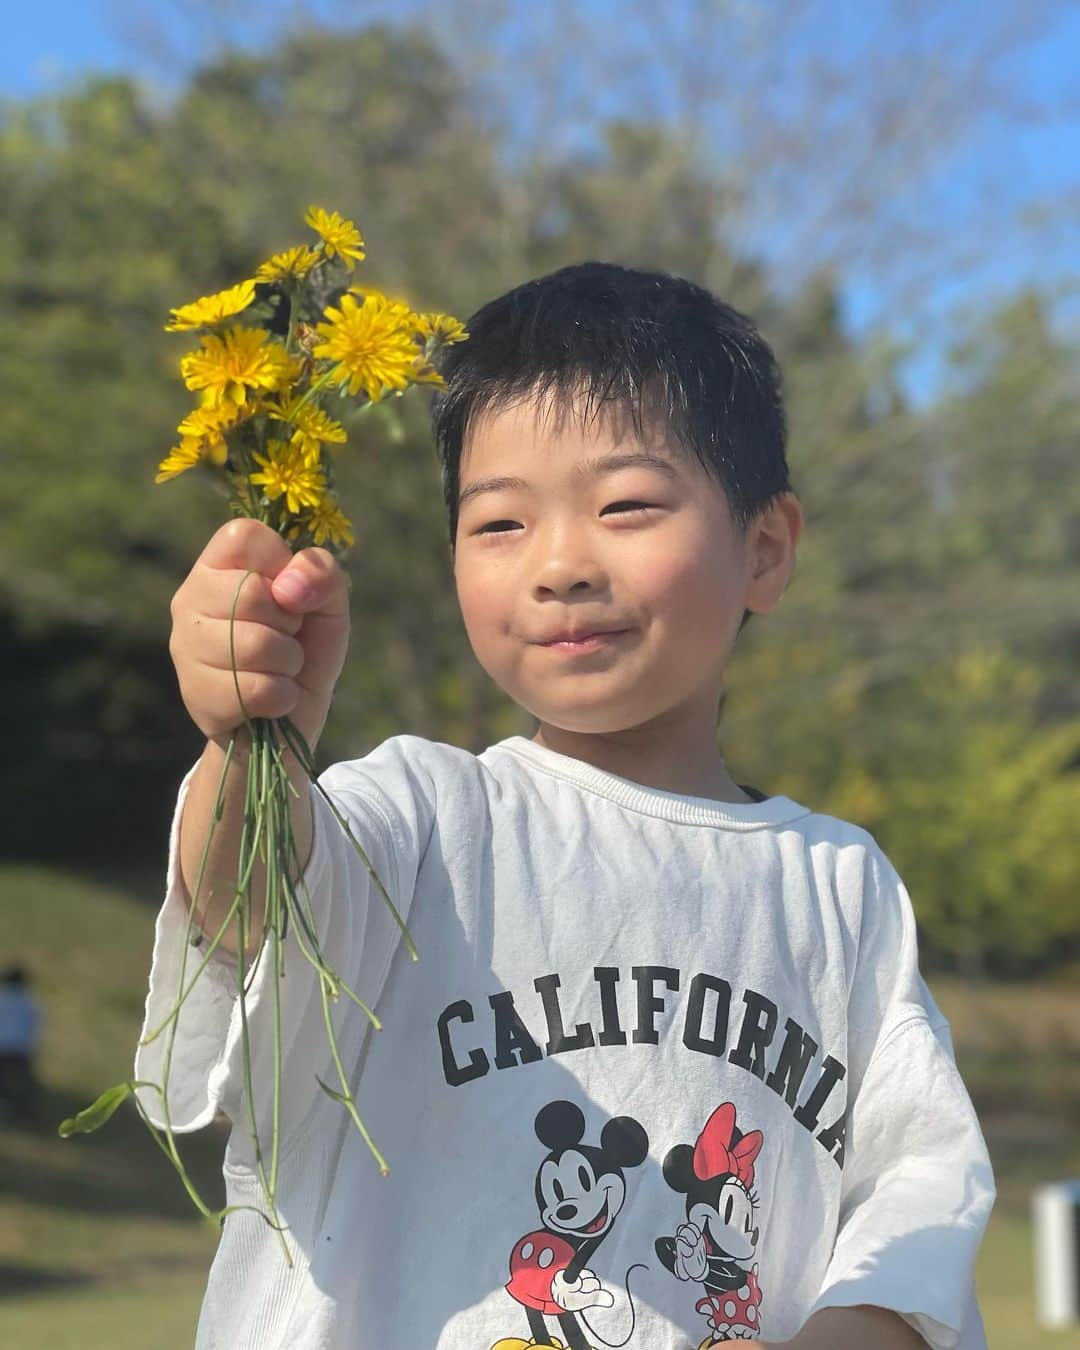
(555, 724)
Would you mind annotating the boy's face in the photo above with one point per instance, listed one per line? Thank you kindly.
(649, 550)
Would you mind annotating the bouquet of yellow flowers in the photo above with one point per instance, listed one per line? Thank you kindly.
(272, 348)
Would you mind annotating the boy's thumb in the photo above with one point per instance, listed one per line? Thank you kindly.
(312, 582)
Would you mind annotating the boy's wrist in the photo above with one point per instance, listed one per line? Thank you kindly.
(865, 1327)
(218, 746)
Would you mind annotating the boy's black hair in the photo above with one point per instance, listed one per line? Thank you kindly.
(597, 334)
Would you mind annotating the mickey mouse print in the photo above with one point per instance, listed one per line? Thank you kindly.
(581, 1189)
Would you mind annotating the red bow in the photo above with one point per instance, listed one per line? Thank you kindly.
(714, 1154)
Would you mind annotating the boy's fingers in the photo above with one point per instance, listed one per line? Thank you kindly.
(259, 649)
(215, 592)
(312, 583)
(248, 545)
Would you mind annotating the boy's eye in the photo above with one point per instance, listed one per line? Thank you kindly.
(494, 526)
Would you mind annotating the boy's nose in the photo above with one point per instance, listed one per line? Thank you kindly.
(559, 574)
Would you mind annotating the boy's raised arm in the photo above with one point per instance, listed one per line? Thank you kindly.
(219, 875)
(290, 636)
(854, 1329)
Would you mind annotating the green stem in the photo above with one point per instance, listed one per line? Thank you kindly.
(266, 833)
(315, 956)
(292, 292)
(170, 1151)
(245, 1036)
(274, 902)
(168, 1144)
(299, 748)
(197, 940)
(346, 1095)
(321, 383)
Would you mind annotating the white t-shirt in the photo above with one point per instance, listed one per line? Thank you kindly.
(666, 1071)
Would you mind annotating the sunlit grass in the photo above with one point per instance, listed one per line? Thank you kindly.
(157, 1313)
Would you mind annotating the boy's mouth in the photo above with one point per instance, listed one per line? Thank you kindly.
(583, 640)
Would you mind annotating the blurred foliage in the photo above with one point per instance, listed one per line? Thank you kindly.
(918, 679)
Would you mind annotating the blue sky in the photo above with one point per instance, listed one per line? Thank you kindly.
(1016, 165)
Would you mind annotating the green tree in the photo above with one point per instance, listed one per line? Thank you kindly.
(930, 533)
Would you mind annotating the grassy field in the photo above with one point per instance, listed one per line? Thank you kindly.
(100, 1248)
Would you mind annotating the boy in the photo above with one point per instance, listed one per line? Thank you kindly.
(667, 1074)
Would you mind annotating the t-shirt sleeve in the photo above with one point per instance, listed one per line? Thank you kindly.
(202, 1071)
(917, 1184)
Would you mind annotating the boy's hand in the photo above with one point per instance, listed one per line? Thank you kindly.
(291, 632)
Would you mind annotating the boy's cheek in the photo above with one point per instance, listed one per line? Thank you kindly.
(489, 639)
(479, 602)
(693, 599)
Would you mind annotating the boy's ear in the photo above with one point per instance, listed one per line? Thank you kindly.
(777, 535)
(679, 1168)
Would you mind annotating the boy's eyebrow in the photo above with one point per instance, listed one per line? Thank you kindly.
(589, 468)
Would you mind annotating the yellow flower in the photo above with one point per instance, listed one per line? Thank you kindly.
(211, 309)
(287, 472)
(372, 348)
(311, 426)
(294, 262)
(328, 521)
(424, 373)
(228, 366)
(209, 424)
(202, 438)
(338, 236)
(179, 459)
(401, 308)
(444, 327)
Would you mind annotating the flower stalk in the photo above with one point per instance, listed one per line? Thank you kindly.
(259, 424)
